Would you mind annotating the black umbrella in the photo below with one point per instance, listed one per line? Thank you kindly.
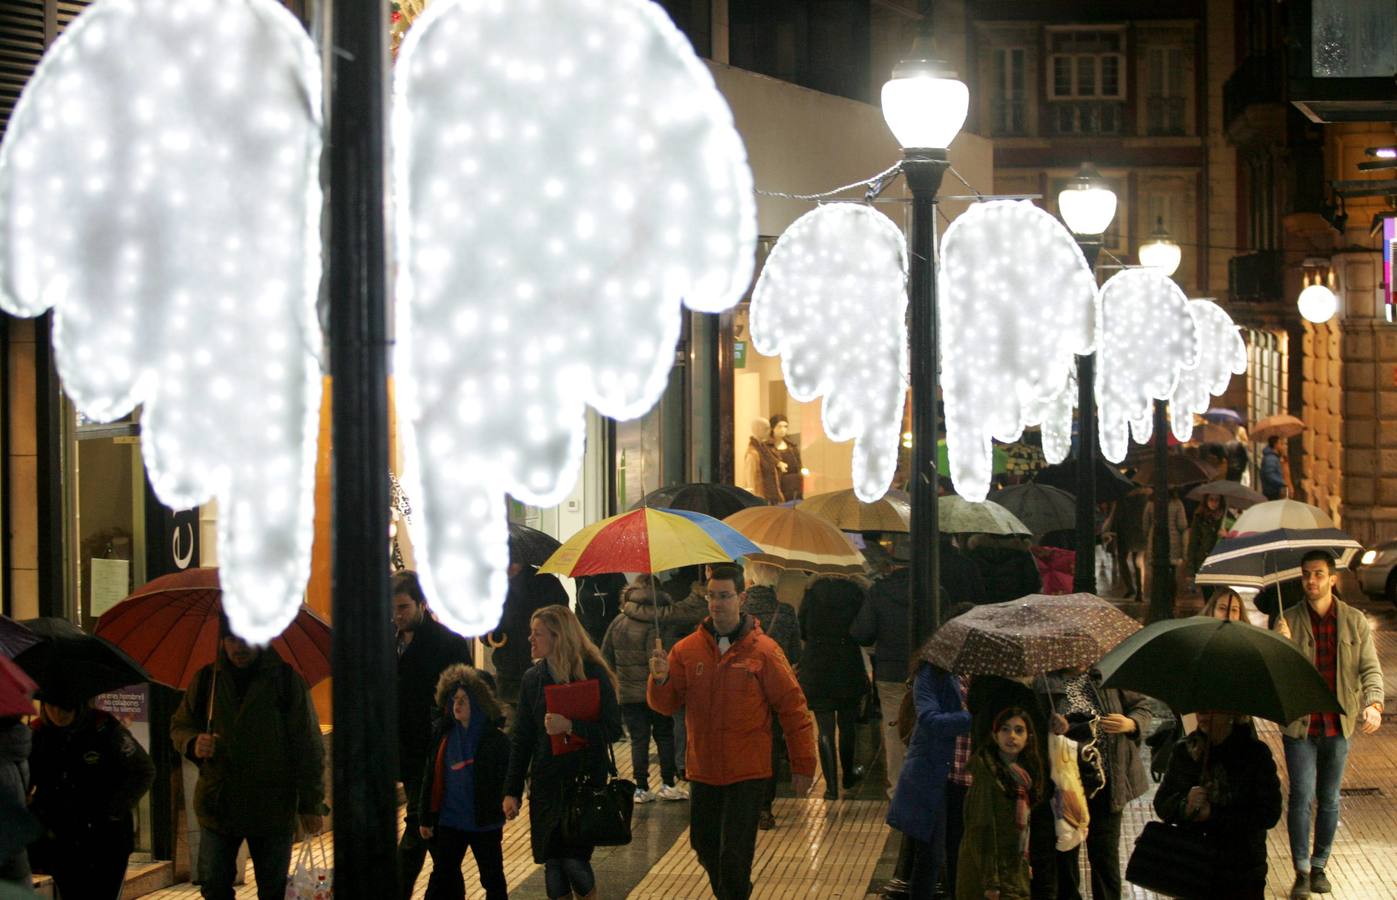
(1043, 508)
(1180, 470)
(530, 546)
(71, 668)
(1110, 483)
(1234, 493)
(1213, 665)
(716, 500)
(1270, 557)
(15, 637)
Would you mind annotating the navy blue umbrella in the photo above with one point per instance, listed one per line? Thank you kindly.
(1269, 557)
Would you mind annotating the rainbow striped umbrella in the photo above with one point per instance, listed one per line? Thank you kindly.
(648, 540)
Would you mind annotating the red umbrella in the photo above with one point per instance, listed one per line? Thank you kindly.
(170, 626)
(16, 690)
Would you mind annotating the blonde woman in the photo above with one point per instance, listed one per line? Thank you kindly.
(562, 654)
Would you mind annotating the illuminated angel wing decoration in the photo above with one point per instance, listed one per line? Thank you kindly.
(159, 190)
(1148, 338)
(832, 302)
(566, 173)
(1017, 302)
(1221, 354)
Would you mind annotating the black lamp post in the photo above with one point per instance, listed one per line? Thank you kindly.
(363, 800)
(924, 106)
(1087, 204)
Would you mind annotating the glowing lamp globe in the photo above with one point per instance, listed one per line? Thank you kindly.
(924, 104)
(1161, 251)
(1087, 204)
(1318, 304)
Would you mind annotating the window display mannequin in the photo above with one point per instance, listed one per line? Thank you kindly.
(759, 463)
(782, 465)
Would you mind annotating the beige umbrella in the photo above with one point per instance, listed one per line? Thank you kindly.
(1275, 514)
(959, 516)
(849, 513)
(1281, 426)
(792, 539)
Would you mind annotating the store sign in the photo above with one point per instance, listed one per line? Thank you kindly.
(172, 538)
(1389, 235)
(739, 354)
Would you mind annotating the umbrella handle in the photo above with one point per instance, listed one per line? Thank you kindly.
(213, 689)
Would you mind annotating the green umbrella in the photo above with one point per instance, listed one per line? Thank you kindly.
(956, 515)
(1204, 664)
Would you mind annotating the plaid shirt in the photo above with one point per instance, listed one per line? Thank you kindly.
(1326, 661)
(960, 760)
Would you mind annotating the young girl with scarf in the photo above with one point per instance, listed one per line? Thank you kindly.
(1006, 780)
(463, 786)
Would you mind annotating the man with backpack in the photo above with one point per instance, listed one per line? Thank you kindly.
(248, 723)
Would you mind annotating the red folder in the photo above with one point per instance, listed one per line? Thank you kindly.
(579, 701)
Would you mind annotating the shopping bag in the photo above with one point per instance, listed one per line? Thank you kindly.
(1070, 799)
(314, 875)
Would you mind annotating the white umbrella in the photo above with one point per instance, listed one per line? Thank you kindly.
(1275, 514)
(957, 515)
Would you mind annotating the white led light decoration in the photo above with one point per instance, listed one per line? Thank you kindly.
(1221, 354)
(832, 302)
(159, 190)
(1148, 338)
(566, 173)
(1016, 303)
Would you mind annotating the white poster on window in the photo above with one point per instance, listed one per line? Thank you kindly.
(111, 580)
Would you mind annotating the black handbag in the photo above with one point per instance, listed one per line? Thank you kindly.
(598, 813)
(1174, 860)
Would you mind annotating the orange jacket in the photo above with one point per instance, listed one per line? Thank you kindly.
(728, 703)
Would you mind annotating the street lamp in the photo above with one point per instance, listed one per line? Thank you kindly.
(1161, 251)
(1087, 204)
(1318, 302)
(924, 105)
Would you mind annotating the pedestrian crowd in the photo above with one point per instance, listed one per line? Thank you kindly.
(997, 785)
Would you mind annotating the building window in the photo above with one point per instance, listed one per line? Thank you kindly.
(1009, 101)
(1167, 97)
(1086, 80)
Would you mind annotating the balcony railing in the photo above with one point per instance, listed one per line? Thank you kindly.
(1256, 276)
(1259, 79)
(1086, 117)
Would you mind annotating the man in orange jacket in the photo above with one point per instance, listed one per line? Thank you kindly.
(730, 678)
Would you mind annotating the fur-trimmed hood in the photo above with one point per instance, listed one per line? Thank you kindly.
(461, 676)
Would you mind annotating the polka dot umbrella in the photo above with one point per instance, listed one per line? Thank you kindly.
(1030, 636)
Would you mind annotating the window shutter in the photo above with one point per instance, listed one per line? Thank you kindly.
(26, 29)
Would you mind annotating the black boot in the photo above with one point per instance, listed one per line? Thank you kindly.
(829, 766)
(848, 746)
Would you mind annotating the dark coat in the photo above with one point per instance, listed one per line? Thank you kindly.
(778, 620)
(1243, 791)
(433, 648)
(1125, 772)
(528, 593)
(832, 674)
(270, 761)
(921, 787)
(598, 603)
(87, 778)
(629, 640)
(1272, 475)
(491, 765)
(960, 577)
(531, 757)
(1008, 572)
(684, 616)
(882, 624)
(14, 789)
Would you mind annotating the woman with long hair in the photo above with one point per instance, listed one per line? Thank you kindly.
(563, 655)
(1006, 776)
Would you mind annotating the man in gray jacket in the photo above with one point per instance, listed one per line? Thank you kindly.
(1338, 639)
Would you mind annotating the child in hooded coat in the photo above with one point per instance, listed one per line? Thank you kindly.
(463, 786)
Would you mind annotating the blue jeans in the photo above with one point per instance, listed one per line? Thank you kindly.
(1316, 769)
(218, 860)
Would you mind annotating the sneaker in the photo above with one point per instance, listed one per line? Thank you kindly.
(894, 889)
(643, 796)
(765, 820)
(672, 792)
(1319, 882)
(1301, 889)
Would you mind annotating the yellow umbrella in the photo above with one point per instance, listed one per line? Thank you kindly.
(849, 513)
(793, 539)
